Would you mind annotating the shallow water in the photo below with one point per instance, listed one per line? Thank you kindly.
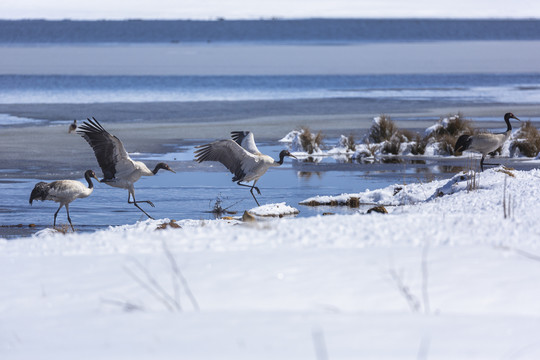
(192, 192)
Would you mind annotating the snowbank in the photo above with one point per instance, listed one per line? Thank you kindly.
(279, 209)
(445, 274)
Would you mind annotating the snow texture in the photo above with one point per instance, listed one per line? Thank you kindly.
(450, 273)
(279, 209)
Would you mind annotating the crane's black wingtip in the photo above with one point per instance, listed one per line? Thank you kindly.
(462, 143)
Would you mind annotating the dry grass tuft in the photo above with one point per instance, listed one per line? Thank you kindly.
(247, 217)
(419, 146)
(408, 135)
(170, 224)
(353, 202)
(378, 209)
(458, 125)
(310, 142)
(446, 144)
(447, 134)
(382, 130)
(527, 140)
(507, 171)
(63, 229)
(218, 210)
(392, 146)
(351, 146)
(313, 203)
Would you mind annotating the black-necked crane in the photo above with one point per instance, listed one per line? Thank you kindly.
(119, 170)
(63, 192)
(241, 157)
(485, 143)
(72, 126)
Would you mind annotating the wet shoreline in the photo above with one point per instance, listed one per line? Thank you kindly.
(47, 150)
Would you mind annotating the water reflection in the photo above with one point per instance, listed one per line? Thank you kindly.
(306, 175)
(392, 160)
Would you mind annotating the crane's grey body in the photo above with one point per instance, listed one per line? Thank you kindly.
(63, 192)
(485, 143)
(119, 170)
(241, 157)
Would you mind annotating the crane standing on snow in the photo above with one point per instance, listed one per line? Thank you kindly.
(63, 192)
(242, 157)
(485, 143)
(119, 170)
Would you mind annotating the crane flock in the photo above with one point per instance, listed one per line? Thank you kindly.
(239, 155)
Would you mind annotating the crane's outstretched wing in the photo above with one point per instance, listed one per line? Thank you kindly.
(109, 151)
(246, 140)
(235, 158)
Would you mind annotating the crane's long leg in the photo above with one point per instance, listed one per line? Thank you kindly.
(140, 201)
(134, 202)
(56, 213)
(251, 190)
(482, 163)
(251, 186)
(69, 219)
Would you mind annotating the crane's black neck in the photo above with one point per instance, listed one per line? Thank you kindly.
(87, 176)
(281, 158)
(158, 167)
(507, 121)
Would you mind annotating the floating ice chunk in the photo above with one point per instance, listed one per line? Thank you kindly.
(278, 209)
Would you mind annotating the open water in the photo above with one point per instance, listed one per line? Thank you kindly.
(192, 192)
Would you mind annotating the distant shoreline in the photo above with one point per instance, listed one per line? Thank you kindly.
(266, 30)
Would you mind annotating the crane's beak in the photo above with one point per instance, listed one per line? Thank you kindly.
(291, 155)
(516, 118)
(171, 170)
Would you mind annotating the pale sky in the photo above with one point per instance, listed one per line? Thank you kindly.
(254, 9)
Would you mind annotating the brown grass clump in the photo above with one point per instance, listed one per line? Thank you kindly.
(507, 172)
(312, 203)
(419, 146)
(392, 146)
(62, 229)
(248, 217)
(382, 130)
(527, 140)
(309, 141)
(171, 224)
(458, 125)
(446, 136)
(408, 135)
(446, 144)
(353, 202)
(378, 209)
(351, 146)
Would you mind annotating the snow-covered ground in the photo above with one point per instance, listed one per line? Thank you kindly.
(444, 275)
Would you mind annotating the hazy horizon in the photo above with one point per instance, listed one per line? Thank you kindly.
(265, 9)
